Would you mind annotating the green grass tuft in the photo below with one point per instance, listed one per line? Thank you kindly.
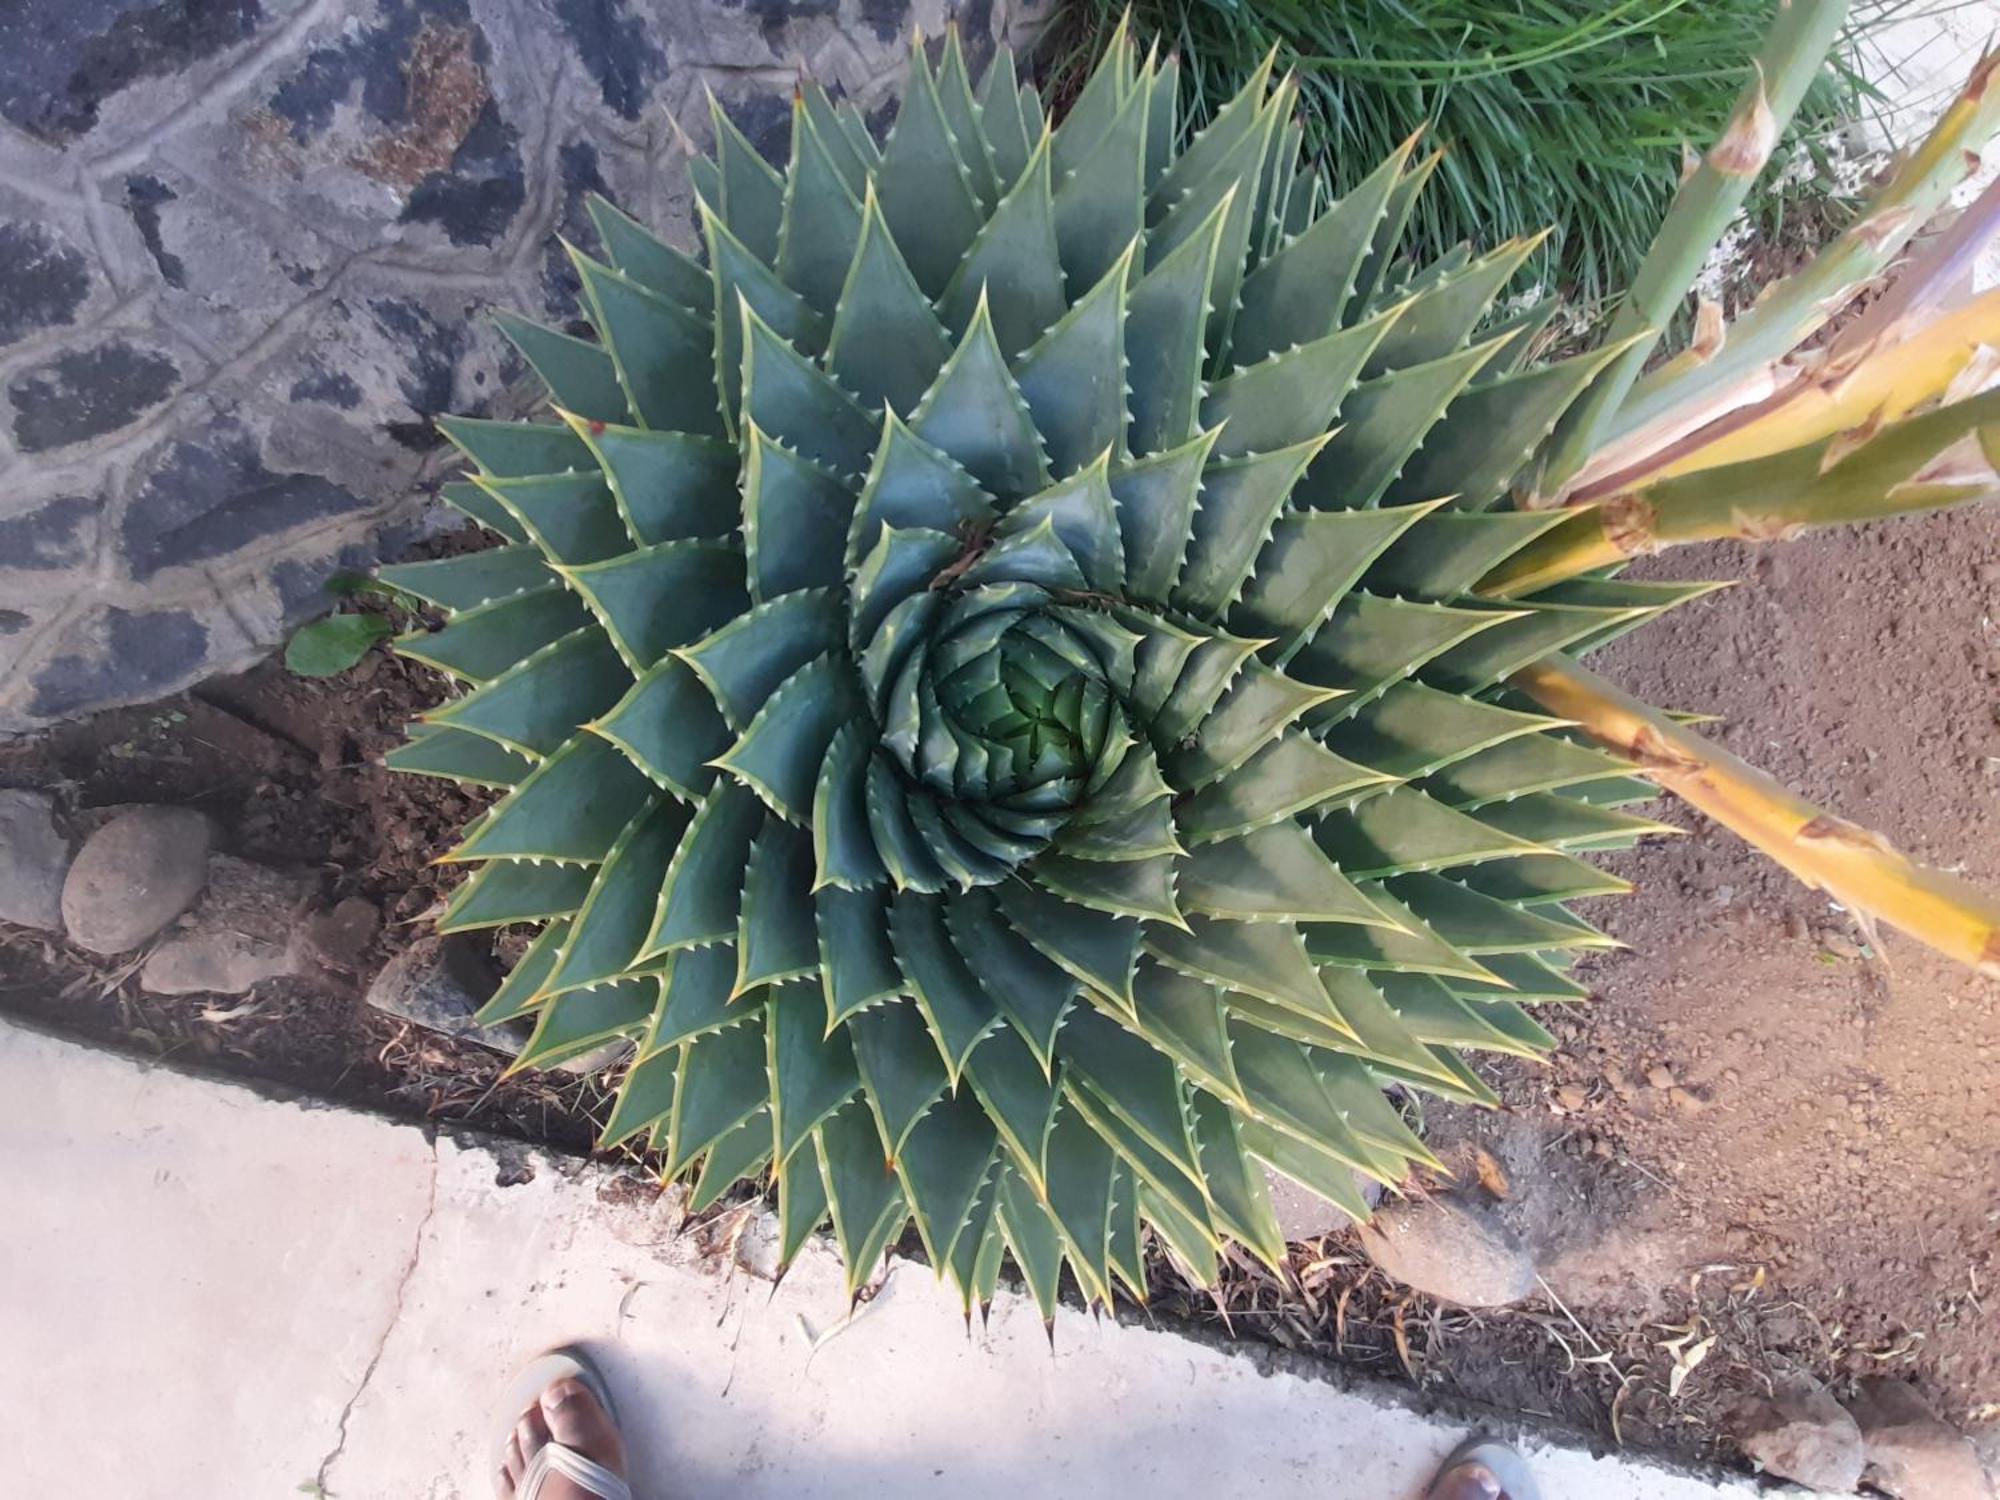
(1569, 113)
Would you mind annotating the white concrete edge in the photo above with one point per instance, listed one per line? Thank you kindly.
(339, 1294)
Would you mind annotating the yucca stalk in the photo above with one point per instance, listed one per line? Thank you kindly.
(999, 675)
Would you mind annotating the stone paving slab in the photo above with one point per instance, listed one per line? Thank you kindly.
(225, 1294)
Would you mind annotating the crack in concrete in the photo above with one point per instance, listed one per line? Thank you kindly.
(388, 1331)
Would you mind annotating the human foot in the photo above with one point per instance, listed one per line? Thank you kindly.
(1481, 1469)
(1466, 1482)
(565, 1413)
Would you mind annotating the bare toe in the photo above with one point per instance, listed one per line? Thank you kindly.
(576, 1420)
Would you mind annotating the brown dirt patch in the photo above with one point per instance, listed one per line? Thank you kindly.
(289, 769)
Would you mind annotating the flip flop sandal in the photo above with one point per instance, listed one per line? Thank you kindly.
(553, 1460)
(1507, 1466)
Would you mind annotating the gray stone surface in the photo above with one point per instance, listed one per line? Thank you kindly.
(1802, 1433)
(133, 876)
(1452, 1246)
(34, 857)
(246, 252)
(241, 932)
(1911, 1452)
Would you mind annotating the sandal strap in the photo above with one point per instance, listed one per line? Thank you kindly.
(566, 1463)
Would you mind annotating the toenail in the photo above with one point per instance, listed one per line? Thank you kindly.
(561, 1393)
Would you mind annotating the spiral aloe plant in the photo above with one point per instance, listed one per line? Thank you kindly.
(1014, 676)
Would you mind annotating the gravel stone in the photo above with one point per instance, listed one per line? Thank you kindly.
(1451, 1246)
(133, 876)
(239, 934)
(34, 857)
(438, 983)
(1910, 1451)
(1801, 1433)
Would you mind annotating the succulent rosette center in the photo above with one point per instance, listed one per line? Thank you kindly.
(988, 685)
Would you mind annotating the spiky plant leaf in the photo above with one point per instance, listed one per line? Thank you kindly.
(1001, 677)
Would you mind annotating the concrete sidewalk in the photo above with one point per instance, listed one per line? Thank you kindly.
(204, 1292)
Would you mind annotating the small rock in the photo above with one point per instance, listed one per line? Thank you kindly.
(1910, 1451)
(438, 983)
(1687, 1101)
(239, 934)
(1660, 1076)
(1571, 1097)
(340, 938)
(1303, 1215)
(34, 857)
(1840, 945)
(133, 876)
(1452, 1247)
(1802, 1433)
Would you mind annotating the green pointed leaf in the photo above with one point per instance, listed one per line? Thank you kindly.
(534, 708)
(1240, 1197)
(1073, 379)
(791, 398)
(926, 193)
(1240, 502)
(605, 939)
(975, 413)
(802, 1206)
(812, 1071)
(1081, 1168)
(656, 346)
(659, 598)
(645, 1099)
(723, 1082)
(1014, 264)
(669, 726)
(1293, 774)
(700, 900)
(569, 1025)
(481, 644)
(508, 450)
(954, 1003)
(743, 1151)
(1031, 991)
(571, 517)
(669, 486)
(1276, 874)
(1386, 419)
(695, 985)
(457, 756)
(900, 1072)
(1183, 1017)
(857, 965)
(460, 583)
(580, 376)
(744, 661)
(1096, 947)
(751, 199)
(515, 890)
(1293, 396)
(522, 987)
(1133, 888)
(822, 222)
(1166, 322)
(796, 516)
(780, 753)
(1032, 1236)
(887, 344)
(1100, 203)
(943, 1166)
(1265, 959)
(647, 259)
(913, 485)
(1019, 1097)
(1156, 506)
(775, 936)
(1298, 294)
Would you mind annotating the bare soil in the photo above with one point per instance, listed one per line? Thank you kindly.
(1763, 1148)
